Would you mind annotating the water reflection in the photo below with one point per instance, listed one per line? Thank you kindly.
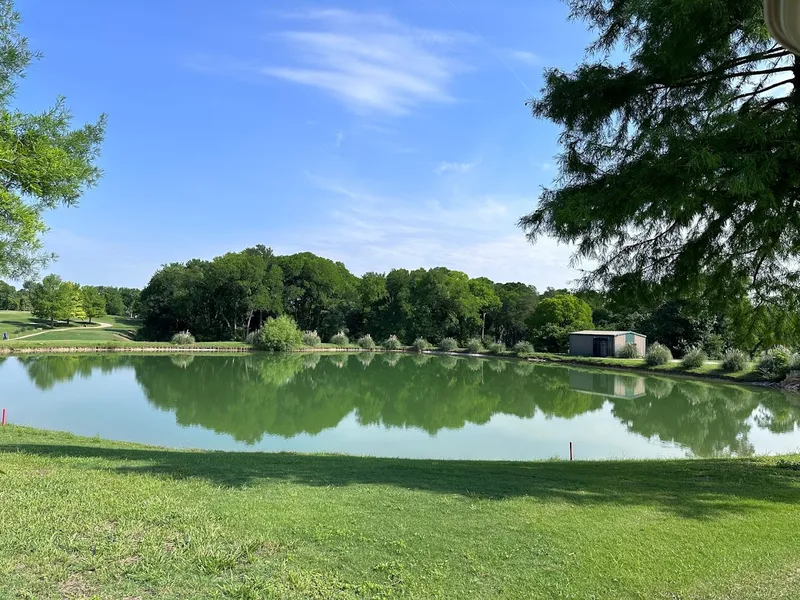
(251, 396)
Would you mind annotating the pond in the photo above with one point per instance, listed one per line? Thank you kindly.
(401, 405)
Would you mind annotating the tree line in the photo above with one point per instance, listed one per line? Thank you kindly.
(54, 299)
(232, 295)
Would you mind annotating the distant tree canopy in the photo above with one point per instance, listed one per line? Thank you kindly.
(232, 295)
(12, 298)
(45, 163)
(681, 159)
(123, 302)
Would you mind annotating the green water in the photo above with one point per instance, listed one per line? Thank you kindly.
(394, 405)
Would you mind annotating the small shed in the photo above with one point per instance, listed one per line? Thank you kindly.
(604, 343)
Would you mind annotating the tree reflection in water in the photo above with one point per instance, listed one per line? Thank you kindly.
(252, 396)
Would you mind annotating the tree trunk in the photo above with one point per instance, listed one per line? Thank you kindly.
(483, 329)
(249, 319)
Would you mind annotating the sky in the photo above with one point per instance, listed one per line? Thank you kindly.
(379, 133)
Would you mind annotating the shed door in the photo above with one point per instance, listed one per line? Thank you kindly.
(600, 346)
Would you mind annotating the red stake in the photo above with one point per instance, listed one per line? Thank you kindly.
(4, 417)
(571, 456)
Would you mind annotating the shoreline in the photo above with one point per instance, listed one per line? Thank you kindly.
(672, 370)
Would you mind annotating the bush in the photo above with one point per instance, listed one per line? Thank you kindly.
(735, 360)
(340, 339)
(420, 344)
(657, 354)
(776, 362)
(183, 338)
(629, 350)
(521, 348)
(496, 348)
(392, 343)
(311, 338)
(448, 344)
(694, 358)
(366, 342)
(475, 346)
(279, 335)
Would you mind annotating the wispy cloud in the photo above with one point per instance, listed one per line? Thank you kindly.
(524, 57)
(455, 167)
(370, 62)
(339, 138)
(370, 231)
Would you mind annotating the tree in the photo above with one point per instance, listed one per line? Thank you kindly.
(680, 159)
(114, 302)
(94, 305)
(9, 299)
(73, 309)
(517, 303)
(486, 297)
(319, 293)
(555, 317)
(45, 163)
(51, 299)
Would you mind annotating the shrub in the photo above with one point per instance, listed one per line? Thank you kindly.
(629, 350)
(521, 348)
(279, 335)
(657, 354)
(183, 338)
(735, 360)
(448, 344)
(420, 344)
(392, 343)
(311, 338)
(776, 362)
(496, 348)
(694, 358)
(340, 339)
(474, 346)
(366, 342)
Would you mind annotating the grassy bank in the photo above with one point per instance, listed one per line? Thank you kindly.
(84, 518)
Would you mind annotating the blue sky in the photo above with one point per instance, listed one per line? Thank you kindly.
(382, 134)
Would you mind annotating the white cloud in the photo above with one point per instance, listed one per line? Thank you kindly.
(339, 138)
(455, 167)
(371, 63)
(524, 57)
(477, 235)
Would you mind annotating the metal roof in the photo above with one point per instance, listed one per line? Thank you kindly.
(601, 332)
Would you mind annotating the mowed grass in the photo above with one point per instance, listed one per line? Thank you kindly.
(16, 323)
(84, 518)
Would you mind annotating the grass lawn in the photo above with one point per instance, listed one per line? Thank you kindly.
(16, 323)
(79, 335)
(84, 518)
